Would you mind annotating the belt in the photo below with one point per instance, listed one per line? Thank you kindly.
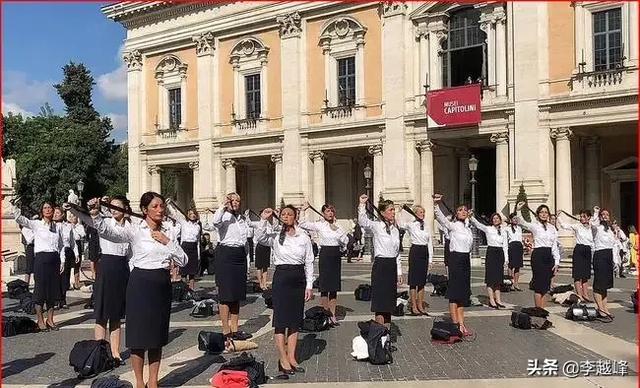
(289, 266)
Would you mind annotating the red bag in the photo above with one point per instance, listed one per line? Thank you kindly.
(230, 379)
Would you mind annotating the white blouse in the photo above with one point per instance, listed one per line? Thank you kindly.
(28, 235)
(496, 238)
(460, 234)
(147, 253)
(44, 239)
(326, 235)
(514, 233)
(419, 236)
(295, 250)
(543, 237)
(107, 246)
(583, 233)
(385, 244)
(233, 229)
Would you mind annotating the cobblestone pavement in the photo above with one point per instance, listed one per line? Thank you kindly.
(498, 353)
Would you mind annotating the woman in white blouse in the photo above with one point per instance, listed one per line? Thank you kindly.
(497, 255)
(331, 239)
(420, 256)
(386, 272)
(190, 232)
(262, 255)
(459, 268)
(110, 289)
(581, 258)
(545, 258)
(515, 250)
(292, 282)
(148, 302)
(48, 263)
(603, 258)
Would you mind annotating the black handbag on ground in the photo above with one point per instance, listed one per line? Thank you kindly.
(521, 320)
(363, 292)
(15, 325)
(90, 357)
(445, 331)
(399, 311)
(316, 319)
(535, 312)
(581, 312)
(561, 288)
(111, 381)
(203, 308)
(246, 362)
(253, 287)
(211, 342)
(27, 305)
(373, 333)
(17, 287)
(179, 291)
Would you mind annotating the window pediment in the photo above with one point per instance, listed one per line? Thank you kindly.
(170, 66)
(342, 29)
(248, 49)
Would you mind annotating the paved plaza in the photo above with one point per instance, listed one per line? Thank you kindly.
(500, 356)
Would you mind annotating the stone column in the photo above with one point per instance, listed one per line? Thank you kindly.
(592, 172)
(376, 151)
(133, 60)
(437, 28)
(486, 25)
(500, 19)
(195, 167)
(318, 178)
(230, 168)
(290, 43)
(564, 197)
(277, 161)
(204, 190)
(501, 140)
(156, 183)
(394, 81)
(426, 177)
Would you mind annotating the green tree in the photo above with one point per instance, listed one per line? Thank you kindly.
(522, 197)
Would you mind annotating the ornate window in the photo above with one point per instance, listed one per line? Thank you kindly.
(464, 52)
(249, 60)
(607, 39)
(171, 75)
(342, 42)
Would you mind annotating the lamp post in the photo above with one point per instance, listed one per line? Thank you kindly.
(473, 167)
(80, 186)
(368, 173)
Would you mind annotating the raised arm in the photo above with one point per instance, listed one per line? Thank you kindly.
(176, 253)
(22, 220)
(82, 216)
(78, 229)
(440, 217)
(564, 226)
(430, 248)
(505, 243)
(595, 218)
(526, 224)
(118, 235)
(264, 233)
(478, 224)
(173, 212)
(218, 216)
(308, 263)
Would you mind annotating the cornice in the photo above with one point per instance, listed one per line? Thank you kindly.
(139, 13)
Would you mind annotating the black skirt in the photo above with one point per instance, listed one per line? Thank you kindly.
(384, 284)
(494, 267)
(110, 291)
(193, 265)
(263, 257)
(148, 308)
(581, 263)
(46, 275)
(231, 273)
(29, 256)
(459, 285)
(288, 296)
(602, 270)
(418, 265)
(516, 253)
(93, 245)
(330, 269)
(542, 269)
(447, 253)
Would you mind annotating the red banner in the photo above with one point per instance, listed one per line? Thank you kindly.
(454, 107)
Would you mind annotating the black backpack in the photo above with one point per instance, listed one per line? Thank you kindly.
(253, 287)
(372, 332)
(246, 362)
(17, 287)
(316, 319)
(110, 381)
(27, 305)
(15, 325)
(179, 291)
(363, 292)
(399, 311)
(91, 357)
(634, 300)
(581, 312)
(440, 289)
(268, 298)
(210, 342)
(445, 331)
(203, 308)
(520, 320)
(561, 289)
(535, 312)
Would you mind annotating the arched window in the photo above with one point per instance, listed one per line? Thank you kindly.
(464, 52)
(171, 75)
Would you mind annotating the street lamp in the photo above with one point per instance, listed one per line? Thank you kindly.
(80, 186)
(473, 167)
(368, 172)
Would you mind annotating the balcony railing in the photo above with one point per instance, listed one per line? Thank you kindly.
(344, 109)
(169, 133)
(598, 81)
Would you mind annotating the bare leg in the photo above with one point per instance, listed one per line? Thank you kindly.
(460, 316)
(538, 300)
(492, 301)
(282, 351)
(516, 279)
(333, 302)
(496, 292)
(453, 312)
(137, 363)
(27, 278)
(224, 317)
(114, 337)
(265, 279)
(259, 278)
(40, 317)
(324, 301)
(50, 317)
(292, 341)
(100, 331)
(413, 299)
(76, 278)
(577, 284)
(421, 304)
(234, 316)
(155, 355)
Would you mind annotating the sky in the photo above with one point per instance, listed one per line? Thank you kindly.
(38, 39)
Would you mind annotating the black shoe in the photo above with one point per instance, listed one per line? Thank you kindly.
(297, 369)
(285, 371)
(623, 276)
(241, 336)
(501, 306)
(52, 327)
(493, 306)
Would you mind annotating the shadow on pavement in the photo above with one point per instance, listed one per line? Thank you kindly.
(20, 365)
(309, 346)
(190, 369)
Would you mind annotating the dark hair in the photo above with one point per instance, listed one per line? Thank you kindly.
(511, 217)
(382, 206)
(586, 212)
(126, 204)
(455, 214)
(538, 210)
(285, 228)
(195, 211)
(328, 206)
(605, 224)
(50, 203)
(146, 199)
(491, 219)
